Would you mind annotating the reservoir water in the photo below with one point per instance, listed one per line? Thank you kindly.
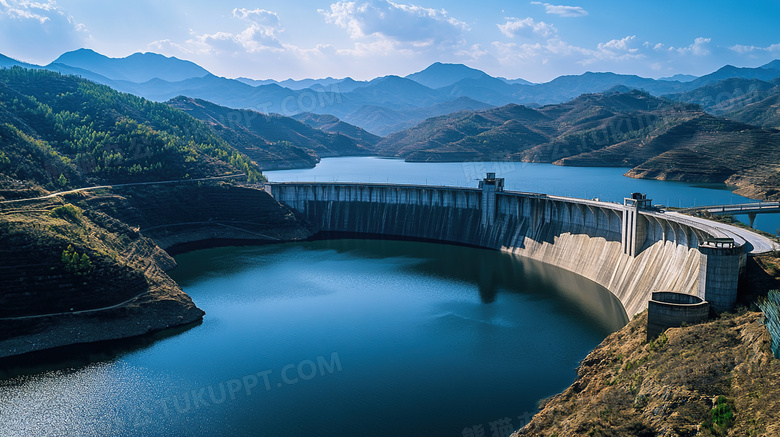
(348, 337)
(332, 338)
(605, 183)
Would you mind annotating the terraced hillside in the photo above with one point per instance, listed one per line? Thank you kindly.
(114, 265)
(764, 113)
(590, 122)
(190, 214)
(708, 149)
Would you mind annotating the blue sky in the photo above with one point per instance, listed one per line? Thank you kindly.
(534, 40)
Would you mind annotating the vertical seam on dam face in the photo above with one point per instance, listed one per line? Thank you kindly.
(630, 252)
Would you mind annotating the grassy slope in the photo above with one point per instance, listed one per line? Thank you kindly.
(627, 387)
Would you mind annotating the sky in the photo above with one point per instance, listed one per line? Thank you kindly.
(532, 40)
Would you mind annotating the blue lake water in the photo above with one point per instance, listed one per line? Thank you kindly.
(605, 183)
(333, 338)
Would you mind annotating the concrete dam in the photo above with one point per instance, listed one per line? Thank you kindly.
(631, 249)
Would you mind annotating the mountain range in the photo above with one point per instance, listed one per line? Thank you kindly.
(657, 137)
(561, 132)
(138, 67)
(381, 106)
(721, 127)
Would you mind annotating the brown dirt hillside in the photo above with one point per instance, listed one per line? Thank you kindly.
(713, 150)
(670, 386)
(38, 240)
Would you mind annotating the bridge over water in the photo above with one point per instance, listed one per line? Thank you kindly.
(751, 209)
(631, 249)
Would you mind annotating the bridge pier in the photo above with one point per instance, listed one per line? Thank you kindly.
(752, 218)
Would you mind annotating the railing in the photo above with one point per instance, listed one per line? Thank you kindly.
(735, 208)
(711, 231)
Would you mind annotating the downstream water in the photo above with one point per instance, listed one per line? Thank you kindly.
(605, 183)
(333, 338)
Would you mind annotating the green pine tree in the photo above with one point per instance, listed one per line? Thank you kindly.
(85, 265)
(67, 254)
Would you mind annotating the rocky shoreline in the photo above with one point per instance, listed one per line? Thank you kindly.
(157, 310)
(177, 219)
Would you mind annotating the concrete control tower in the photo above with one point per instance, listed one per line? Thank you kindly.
(490, 186)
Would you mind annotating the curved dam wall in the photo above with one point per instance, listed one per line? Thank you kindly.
(628, 251)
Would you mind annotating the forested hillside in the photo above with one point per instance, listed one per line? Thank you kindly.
(61, 131)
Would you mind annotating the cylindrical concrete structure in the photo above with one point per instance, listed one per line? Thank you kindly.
(719, 274)
(668, 309)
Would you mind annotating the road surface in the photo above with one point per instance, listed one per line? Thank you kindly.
(757, 243)
(97, 187)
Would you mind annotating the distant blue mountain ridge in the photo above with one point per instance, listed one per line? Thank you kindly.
(382, 105)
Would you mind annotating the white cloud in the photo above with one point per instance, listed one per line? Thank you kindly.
(385, 38)
(473, 53)
(167, 46)
(526, 28)
(657, 46)
(261, 17)
(698, 48)
(24, 10)
(563, 11)
(619, 45)
(614, 51)
(539, 51)
(262, 34)
(38, 29)
(403, 25)
(742, 49)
